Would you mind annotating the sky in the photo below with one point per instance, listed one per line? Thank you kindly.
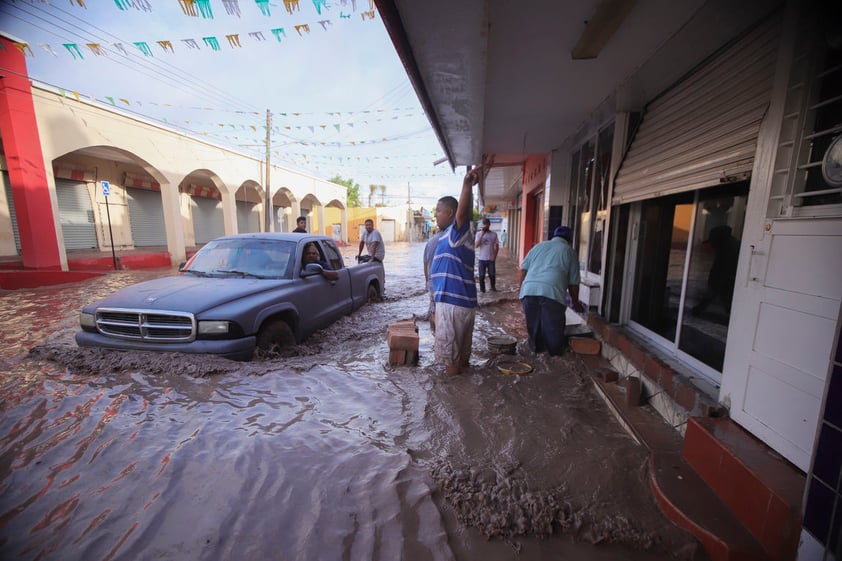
(339, 98)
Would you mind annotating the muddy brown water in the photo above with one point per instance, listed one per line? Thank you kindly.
(324, 453)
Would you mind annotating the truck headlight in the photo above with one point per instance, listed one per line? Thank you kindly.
(87, 320)
(213, 327)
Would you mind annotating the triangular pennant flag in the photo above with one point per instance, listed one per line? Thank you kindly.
(144, 48)
(191, 43)
(123, 4)
(126, 101)
(303, 27)
(324, 23)
(76, 95)
(257, 35)
(121, 48)
(166, 45)
(74, 50)
(318, 4)
(48, 48)
(264, 7)
(95, 48)
(291, 5)
(211, 42)
(110, 99)
(205, 9)
(336, 126)
(232, 7)
(233, 39)
(23, 48)
(367, 15)
(188, 7)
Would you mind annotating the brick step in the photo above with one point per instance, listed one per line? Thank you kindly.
(758, 485)
(683, 495)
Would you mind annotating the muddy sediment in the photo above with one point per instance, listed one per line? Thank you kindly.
(323, 451)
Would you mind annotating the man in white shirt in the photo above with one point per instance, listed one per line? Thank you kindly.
(487, 247)
(373, 242)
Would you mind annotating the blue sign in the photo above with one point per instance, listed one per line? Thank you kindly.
(106, 188)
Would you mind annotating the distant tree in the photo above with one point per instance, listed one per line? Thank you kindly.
(382, 194)
(352, 188)
(371, 191)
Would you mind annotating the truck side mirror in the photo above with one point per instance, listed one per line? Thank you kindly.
(311, 270)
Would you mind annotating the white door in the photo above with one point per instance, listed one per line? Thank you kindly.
(783, 325)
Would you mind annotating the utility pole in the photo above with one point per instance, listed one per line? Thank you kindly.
(409, 221)
(267, 199)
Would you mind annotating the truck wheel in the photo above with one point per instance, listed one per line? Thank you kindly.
(373, 295)
(274, 336)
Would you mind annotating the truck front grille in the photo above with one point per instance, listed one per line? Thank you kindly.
(144, 325)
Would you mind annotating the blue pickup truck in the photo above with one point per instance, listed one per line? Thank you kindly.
(237, 295)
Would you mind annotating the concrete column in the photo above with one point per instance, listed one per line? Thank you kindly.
(25, 160)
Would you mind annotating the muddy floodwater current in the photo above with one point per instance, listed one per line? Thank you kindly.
(322, 453)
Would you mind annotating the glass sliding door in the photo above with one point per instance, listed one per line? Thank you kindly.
(712, 271)
(661, 253)
(685, 270)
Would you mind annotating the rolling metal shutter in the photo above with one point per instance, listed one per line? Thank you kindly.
(75, 214)
(248, 219)
(208, 222)
(146, 216)
(14, 218)
(704, 130)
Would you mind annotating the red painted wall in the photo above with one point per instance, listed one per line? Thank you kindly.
(22, 146)
(534, 178)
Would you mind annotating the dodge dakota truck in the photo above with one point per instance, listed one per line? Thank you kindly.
(237, 295)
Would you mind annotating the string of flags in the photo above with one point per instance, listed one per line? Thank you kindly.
(203, 8)
(194, 8)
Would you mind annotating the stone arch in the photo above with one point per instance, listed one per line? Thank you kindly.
(249, 202)
(285, 209)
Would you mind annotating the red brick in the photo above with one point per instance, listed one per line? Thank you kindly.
(632, 391)
(407, 341)
(397, 356)
(667, 381)
(686, 397)
(405, 324)
(652, 368)
(636, 356)
(585, 345)
(608, 375)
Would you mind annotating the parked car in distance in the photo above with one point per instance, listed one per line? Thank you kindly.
(235, 295)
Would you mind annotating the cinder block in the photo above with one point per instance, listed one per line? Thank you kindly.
(404, 340)
(397, 356)
(585, 345)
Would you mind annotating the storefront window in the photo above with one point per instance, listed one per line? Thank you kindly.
(686, 267)
(591, 168)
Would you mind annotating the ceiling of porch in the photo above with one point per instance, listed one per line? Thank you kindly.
(499, 78)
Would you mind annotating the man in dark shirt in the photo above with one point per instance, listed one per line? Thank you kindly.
(301, 223)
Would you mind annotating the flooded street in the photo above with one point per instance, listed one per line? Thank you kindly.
(326, 454)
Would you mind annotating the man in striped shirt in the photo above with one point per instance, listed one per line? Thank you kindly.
(452, 278)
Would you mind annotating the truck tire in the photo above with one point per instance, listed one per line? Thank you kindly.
(274, 336)
(373, 294)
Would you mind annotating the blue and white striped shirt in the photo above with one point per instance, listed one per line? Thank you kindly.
(452, 270)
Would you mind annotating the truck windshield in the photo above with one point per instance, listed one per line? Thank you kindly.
(270, 259)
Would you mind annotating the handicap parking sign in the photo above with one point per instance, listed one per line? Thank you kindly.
(106, 188)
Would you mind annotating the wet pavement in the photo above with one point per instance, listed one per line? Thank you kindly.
(325, 453)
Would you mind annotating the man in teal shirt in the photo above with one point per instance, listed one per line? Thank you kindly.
(549, 271)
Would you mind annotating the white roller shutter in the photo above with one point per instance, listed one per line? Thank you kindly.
(75, 214)
(208, 221)
(146, 216)
(248, 219)
(12, 216)
(704, 130)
